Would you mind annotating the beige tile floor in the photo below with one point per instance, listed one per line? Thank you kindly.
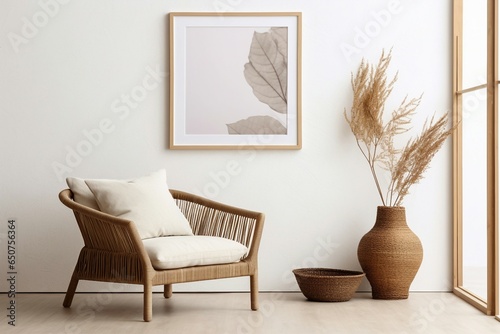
(221, 313)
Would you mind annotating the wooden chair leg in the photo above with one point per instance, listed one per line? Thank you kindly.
(148, 302)
(254, 292)
(68, 299)
(167, 290)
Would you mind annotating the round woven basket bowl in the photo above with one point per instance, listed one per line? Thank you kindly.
(328, 285)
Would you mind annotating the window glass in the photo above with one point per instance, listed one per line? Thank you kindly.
(474, 49)
(474, 183)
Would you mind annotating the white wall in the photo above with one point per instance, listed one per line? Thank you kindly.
(61, 77)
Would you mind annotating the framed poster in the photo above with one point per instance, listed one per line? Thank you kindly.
(235, 80)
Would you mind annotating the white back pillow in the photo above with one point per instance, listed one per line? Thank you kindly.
(146, 201)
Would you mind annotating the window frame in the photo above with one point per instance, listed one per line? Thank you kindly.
(490, 306)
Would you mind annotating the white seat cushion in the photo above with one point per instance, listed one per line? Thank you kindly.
(188, 251)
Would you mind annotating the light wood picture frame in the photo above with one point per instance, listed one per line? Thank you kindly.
(235, 80)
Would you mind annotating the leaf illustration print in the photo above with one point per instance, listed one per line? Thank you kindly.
(266, 71)
(256, 125)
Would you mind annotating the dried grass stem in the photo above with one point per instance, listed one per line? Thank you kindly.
(376, 139)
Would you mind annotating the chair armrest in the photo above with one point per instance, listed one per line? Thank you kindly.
(102, 231)
(208, 217)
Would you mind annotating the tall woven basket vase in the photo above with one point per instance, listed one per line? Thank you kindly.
(390, 254)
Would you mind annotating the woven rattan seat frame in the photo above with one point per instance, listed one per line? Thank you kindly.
(114, 252)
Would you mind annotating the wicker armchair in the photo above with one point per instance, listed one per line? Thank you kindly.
(114, 252)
